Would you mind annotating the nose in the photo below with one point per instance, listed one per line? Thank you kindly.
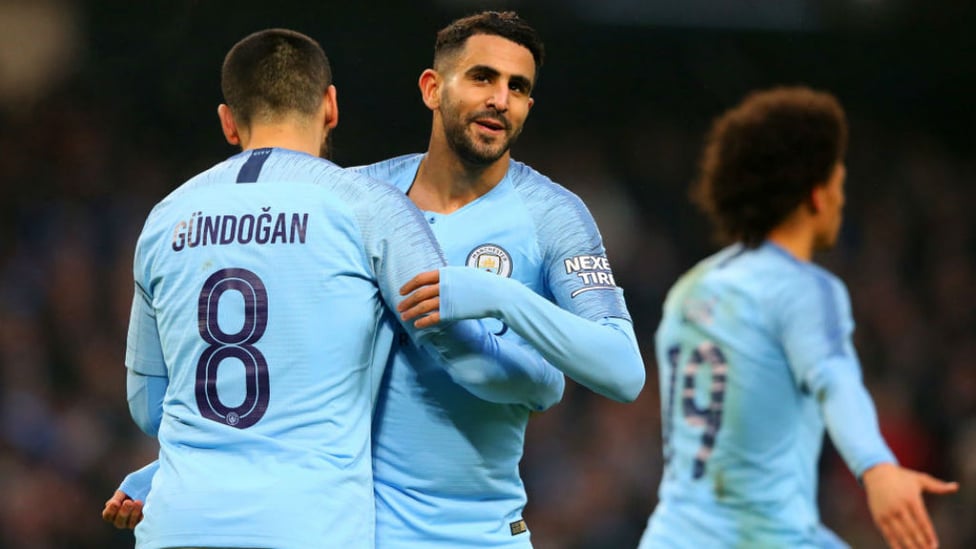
(499, 98)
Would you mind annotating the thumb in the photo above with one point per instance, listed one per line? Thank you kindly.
(933, 485)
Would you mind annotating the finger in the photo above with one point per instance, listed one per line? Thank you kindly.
(895, 531)
(907, 533)
(936, 486)
(416, 297)
(136, 516)
(427, 306)
(421, 309)
(428, 320)
(122, 518)
(111, 509)
(924, 531)
(112, 506)
(888, 533)
(423, 279)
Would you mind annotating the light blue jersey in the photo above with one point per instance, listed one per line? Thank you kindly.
(755, 359)
(446, 462)
(260, 289)
(448, 434)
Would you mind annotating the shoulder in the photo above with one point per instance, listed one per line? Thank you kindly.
(285, 165)
(789, 283)
(803, 275)
(393, 164)
(210, 176)
(207, 177)
(831, 288)
(536, 188)
(766, 273)
(390, 169)
(351, 185)
(700, 273)
(562, 220)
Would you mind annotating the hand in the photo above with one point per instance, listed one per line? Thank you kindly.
(122, 511)
(424, 302)
(895, 499)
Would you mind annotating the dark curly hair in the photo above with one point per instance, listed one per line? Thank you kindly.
(762, 158)
(506, 24)
(274, 72)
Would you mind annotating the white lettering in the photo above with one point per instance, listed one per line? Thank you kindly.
(572, 265)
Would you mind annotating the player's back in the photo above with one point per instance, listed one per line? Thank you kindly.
(445, 461)
(267, 307)
(741, 436)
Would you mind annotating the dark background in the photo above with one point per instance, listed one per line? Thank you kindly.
(107, 106)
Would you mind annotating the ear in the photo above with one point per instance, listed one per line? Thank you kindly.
(818, 198)
(430, 88)
(228, 125)
(531, 102)
(330, 104)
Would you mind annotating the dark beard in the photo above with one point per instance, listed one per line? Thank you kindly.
(467, 150)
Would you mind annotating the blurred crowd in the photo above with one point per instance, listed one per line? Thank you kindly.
(78, 176)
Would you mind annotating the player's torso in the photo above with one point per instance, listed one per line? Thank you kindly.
(267, 310)
(739, 434)
(445, 461)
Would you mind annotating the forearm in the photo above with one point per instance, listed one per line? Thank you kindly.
(602, 355)
(489, 367)
(145, 395)
(850, 417)
(496, 369)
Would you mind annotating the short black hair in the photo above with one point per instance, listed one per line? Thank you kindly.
(506, 24)
(762, 158)
(274, 72)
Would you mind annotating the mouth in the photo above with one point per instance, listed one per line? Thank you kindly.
(493, 125)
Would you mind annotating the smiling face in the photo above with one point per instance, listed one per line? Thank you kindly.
(484, 97)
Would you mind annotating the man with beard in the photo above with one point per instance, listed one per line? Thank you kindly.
(755, 348)
(448, 437)
(446, 446)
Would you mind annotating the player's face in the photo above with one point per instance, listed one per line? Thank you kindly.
(485, 99)
(833, 206)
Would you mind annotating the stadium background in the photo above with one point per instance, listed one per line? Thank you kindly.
(106, 106)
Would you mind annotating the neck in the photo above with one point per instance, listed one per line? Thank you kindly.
(445, 183)
(284, 136)
(794, 236)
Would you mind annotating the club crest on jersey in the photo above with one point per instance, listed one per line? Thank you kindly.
(491, 258)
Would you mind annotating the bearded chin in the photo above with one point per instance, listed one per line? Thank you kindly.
(470, 152)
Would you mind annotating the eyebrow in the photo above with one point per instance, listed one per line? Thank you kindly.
(486, 69)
